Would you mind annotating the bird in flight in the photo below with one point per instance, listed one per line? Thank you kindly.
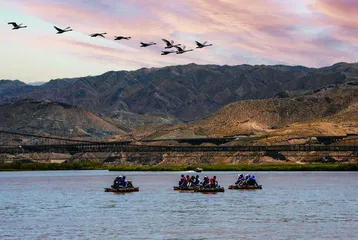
(147, 44)
(167, 52)
(181, 50)
(60, 31)
(201, 45)
(170, 44)
(121, 37)
(16, 26)
(98, 35)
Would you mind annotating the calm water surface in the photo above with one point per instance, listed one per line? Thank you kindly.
(73, 205)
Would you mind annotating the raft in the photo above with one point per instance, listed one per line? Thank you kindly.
(122, 189)
(210, 190)
(178, 188)
(245, 187)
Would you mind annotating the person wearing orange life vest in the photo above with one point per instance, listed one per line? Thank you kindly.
(213, 182)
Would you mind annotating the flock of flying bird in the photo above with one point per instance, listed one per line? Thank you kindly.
(169, 44)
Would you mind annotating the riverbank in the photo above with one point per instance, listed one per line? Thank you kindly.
(88, 165)
(308, 167)
(19, 166)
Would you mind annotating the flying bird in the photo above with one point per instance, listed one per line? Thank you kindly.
(147, 44)
(60, 31)
(167, 52)
(181, 50)
(98, 35)
(121, 37)
(16, 26)
(170, 44)
(202, 45)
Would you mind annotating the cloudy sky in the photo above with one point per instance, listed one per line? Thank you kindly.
(312, 33)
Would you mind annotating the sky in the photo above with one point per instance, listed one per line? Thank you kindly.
(313, 33)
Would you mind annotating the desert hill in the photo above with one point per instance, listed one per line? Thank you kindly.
(329, 111)
(56, 119)
(181, 93)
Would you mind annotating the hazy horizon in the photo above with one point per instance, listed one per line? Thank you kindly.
(38, 83)
(311, 33)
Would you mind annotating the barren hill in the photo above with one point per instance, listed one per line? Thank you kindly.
(183, 93)
(329, 111)
(51, 118)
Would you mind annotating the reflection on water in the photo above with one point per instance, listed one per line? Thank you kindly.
(73, 205)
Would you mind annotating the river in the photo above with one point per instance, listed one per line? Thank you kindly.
(73, 205)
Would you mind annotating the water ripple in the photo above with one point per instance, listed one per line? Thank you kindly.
(73, 205)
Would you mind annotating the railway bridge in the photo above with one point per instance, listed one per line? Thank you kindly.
(17, 143)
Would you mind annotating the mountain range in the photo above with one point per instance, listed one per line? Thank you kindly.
(271, 104)
(178, 93)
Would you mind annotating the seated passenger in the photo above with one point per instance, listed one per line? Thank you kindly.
(196, 181)
(205, 182)
(252, 181)
(124, 182)
(213, 182)
(182, 181)
(116, 182)
(188, 181)
(191, 182)
(129, 184)
(240, 179)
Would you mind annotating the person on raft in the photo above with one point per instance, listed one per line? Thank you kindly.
(240, 179)
(182, 181)
(188, 181)
(196, 181)
(206, 182)
(252, 181)
(117, 182)
(213, 182)
(124, 181)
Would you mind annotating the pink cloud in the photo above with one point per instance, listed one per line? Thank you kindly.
(269, 31)
(340, 17)
(339, 13)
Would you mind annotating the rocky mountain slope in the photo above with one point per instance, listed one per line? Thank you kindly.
(10, 90)
(329, 111)
(182, 93)
(56, 119)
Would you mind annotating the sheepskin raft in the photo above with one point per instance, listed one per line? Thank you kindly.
(178, 188)
(122, 189)
(244, 187)
(199, 189)
(210, 190)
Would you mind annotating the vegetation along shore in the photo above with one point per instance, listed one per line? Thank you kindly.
(88, 165)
